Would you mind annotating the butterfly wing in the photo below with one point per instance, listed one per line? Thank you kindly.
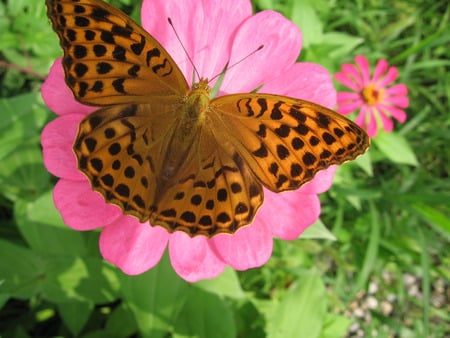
(121, 153)
(109, 58)
(246, 141)
(286, 141)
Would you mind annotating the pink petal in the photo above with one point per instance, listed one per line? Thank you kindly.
(399, 101)
(304, 80)
(346, 109)
(380, 69)
(249, 247)
(343, 97)
(154, 15)
(133, 246)
(364, 68)
(397, 90)
(361, 118)
(227, 14)
(192, 258)
(57, 139)
(346, 81)
(391, 76)
(354, 74)
(321, 182)
(57, 96)
(388, 125)
(372, 128)
(82, 208)
(282, 43)
(398, 114)
(198, 23)
(288, 214)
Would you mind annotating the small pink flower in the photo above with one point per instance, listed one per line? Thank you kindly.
(376, 101)
(223, 31)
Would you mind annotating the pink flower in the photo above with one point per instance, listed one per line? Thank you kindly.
(223, 31)
(376, 101)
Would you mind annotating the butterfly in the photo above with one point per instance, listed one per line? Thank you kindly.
(169, 154)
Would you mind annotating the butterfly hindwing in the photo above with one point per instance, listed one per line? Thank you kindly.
(121, 153)
(109, 58)
(285, 141)
(217, 191)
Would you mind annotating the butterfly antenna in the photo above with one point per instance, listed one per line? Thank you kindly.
(184, 48)
(236, 63)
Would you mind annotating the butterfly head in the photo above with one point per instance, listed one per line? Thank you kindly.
(201, 87)
(198, 98)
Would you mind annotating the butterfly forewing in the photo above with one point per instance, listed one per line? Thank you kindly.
(285, 141)
(109, 59)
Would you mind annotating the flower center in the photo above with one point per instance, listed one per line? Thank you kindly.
(371, 95)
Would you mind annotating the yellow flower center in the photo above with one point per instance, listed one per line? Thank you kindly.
(372, 95)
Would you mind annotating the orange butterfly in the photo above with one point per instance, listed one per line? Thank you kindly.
(170, 154)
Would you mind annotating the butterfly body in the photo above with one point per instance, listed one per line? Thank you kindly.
(192, 118)
(194, 112)
(171, 155)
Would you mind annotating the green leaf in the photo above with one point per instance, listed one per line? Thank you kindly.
(75, 314)
(3, 297)
(74, 278)
(22, 119)
(155, 298)
(302, 309)
(42, 227)
(435, 217)
(335, 326)
(332, 47)
(22, 173)
(204, 315)
(318, 231)
(396, 148)
(121, 322)
(365, 163)
(100, 333)
(24, 273)
(8, 40)
(372, 247)
(343, 44)
(227, 284)
(21, 271)
(306, 18)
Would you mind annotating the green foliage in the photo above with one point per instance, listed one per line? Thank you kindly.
(384, 222)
